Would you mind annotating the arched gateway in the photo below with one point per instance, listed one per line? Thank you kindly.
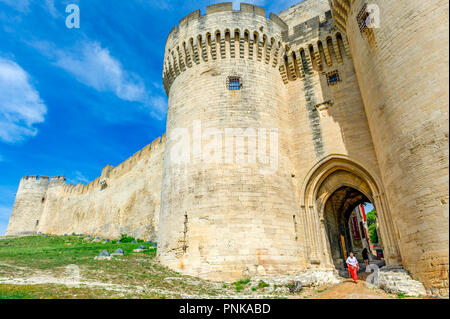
(337, 181)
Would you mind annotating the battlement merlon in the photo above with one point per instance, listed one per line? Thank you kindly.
(29, 180)
(223, 33)
(109, 171)
(222, 8)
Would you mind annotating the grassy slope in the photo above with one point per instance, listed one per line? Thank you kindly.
(24, 256)
(133, 275)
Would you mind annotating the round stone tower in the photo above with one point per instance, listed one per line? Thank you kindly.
(28, 206)
(228, 206)
(401, 61)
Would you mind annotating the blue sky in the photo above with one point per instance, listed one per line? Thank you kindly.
(74, 100)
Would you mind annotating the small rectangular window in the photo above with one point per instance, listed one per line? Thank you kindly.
(333, 77)
(234, 83)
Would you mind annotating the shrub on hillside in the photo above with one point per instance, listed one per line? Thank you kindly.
(124, 238)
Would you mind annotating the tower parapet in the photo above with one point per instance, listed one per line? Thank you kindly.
(218, 207)
(222, 34)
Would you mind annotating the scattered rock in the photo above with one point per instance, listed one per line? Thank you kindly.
(282, 290)
(397, 280)
(118, 252)
(97, 239)
(103, 255)
(133, 242)
(295, 286)
(308, 278)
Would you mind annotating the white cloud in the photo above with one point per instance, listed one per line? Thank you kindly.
(50, 6)
(20, 105)
(94, 66)
(78, 178)
(19, 5)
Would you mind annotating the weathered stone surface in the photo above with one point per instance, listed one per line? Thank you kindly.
(398, 280)
(308, 278)
(104, 253)
(118, 251)
(382, 130)
(295, 286)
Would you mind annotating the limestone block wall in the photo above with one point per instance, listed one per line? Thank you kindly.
(304, 11)
(402, 70)
(327, 120)
(28, 206)
(225, 220)
(124, 199)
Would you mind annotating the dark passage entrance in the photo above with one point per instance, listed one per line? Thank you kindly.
(346, 226)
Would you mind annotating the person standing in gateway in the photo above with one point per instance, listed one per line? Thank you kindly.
(353, 266)
(365, 255)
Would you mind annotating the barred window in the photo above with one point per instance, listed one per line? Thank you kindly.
(361, 18)
(333, 77)
(234, 83)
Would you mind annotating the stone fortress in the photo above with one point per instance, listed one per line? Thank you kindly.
(359, 113)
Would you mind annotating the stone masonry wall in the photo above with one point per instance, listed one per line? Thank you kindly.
(125, 199)
(220, 213)
(225, 220)
(402, 69)
(28, 206)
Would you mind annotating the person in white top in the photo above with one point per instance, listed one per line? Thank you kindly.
(353, 266)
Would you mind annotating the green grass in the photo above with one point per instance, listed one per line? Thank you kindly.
(400, 295)
(262, 284)
(55, 251)
(241, 284)
(21, 257)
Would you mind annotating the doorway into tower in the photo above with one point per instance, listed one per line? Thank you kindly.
(351, 226)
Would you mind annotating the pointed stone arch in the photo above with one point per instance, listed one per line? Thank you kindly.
(323, 179)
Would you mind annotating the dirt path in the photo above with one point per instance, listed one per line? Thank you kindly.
(349, 290)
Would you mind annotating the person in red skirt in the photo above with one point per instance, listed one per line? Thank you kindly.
(353, 267)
